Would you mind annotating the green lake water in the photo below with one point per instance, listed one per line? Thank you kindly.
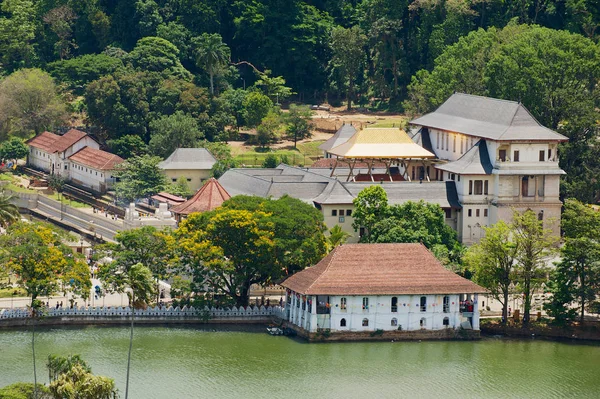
(208, 363)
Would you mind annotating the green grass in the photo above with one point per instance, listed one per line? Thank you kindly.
(66, 201)
(311, 148)
(253, 158)
(17, 189)
(8, 292)
(399, 122)
(6, 177)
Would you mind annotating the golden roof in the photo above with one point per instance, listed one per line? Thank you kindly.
(381, 143)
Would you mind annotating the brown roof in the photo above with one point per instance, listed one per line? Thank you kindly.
(44, 141)
(96, 159)
(209, 197)
(51, 143)
(379, 269)
(168, 198)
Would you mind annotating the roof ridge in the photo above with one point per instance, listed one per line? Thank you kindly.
(333, 255)
(487, 98)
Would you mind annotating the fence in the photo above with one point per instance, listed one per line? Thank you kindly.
(151, 312)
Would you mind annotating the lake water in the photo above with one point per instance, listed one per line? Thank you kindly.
(208, 363)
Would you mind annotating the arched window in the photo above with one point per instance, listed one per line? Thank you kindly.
(343, 304)
(446, 304)
(365, 322)
(423, 323)
(541, 216)
(394, 322)
(343, 323)
(446, 321)
(394, 304)
(423, 304)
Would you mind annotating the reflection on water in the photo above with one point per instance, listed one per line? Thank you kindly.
(208, 363)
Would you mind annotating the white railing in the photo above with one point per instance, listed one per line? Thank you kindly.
(241, 312)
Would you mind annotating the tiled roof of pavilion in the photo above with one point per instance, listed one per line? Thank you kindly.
(340, 137)
(379, 269)
(210, 196)
(476, 161)
(391, 143)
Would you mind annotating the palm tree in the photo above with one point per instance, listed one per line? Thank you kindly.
(141, 291)
(212, 55)
(337, 237)
(9, 213)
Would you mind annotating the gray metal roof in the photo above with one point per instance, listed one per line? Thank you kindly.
(189, 158)
(488, 118)
(340, 137)
(318, 189)
(436, 192)
(476, 161)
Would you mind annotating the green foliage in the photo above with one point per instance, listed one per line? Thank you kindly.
(24, 390)
(299, 122)
(348, 58)
(493, 260)
(13, 148)
(336, 237)
(154, 54)
(212, 55)
(270, 129)
(17, 33)
(270, 161)
(250, 240)
(30, 103)
(256, 107)
(79, 71)
(58, 365)
(79, 382)
(171, 132)
(56, 182)
(273, 86)
(140, 177)
(370, 206)
(536, 246)
(180, 188)
(43, 264)
(127, 146)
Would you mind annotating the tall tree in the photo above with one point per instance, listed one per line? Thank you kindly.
(140, 177)
(61, 20)
(348, 58)
(370, 206)
(299, 122)
(168, 133)
(44, 264)
(536, 245)
(493, 260)
(137, 281)
(9, 212)
(17, 34)
(29, 103)
(256, 107)
(12, 149)
(212, 55)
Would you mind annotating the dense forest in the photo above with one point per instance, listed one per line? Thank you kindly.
(150, 74)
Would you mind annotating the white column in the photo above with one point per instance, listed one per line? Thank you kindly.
(476, 312)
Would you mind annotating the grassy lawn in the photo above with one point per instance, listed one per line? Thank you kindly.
(17, 189)
(66, 201)
(8, 292)
(6, 177)
(396, 122)
(299, 157)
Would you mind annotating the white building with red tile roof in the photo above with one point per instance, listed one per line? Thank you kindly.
(76, 157)
(370, 287)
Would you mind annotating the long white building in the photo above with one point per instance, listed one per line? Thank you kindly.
(387, 287)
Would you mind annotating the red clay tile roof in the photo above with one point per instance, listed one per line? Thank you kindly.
(168, 198)
(209, 197)
(68, 139)
(379, 269)
(96, 159)
(44, 141)
(51, 143)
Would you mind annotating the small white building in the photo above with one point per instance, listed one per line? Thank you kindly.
(76, 157)
(386, 287)
(93, 169)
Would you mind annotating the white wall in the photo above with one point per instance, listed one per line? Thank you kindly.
(97, 180)
(379, 313)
